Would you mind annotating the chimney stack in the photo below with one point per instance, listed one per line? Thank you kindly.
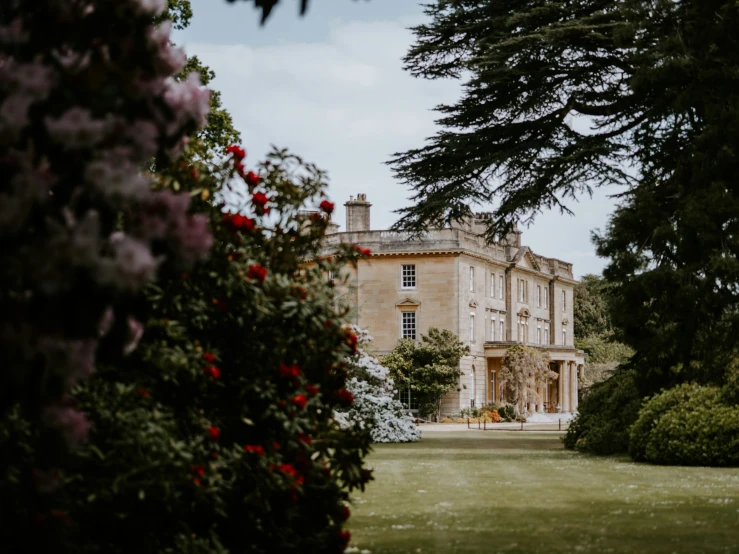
(358, 214)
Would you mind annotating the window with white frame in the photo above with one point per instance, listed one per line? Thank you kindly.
(520, 290)
(501, 286)
(564, 337)
(492, 285)
(408, 276)
(409, 325)
(472, 327)
(564, 301)
(546, 303)
(472, 279)
(538, 296)
(538, 334)
(502, 330)
(492, 328)
(546, 335)
(409, 401)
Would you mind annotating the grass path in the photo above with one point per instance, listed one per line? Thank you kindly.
(476, 492)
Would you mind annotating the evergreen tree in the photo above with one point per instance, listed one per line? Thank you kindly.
(658, 83)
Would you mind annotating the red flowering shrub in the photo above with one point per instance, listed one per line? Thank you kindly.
(192, 466)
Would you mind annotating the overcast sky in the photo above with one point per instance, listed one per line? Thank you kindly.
(330, 87)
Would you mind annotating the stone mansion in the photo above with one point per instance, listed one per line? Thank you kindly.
(493, 296)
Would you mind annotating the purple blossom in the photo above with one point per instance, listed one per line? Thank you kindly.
(192, 238)
(167, 59)
(73, 62)
(47, 480)
(116, 177)
(189, 100)
(135, 332)
(73, 360)
(14, 115)
(76, 128)
(106, 322)
(13, 33)
(72, 425)
(35, 79)
(144, 135)
(150, 7)
(131, 267)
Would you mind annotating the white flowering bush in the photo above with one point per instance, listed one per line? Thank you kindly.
(87, 101)
(375, 406)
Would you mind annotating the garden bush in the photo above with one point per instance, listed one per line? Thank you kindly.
(605, 416)
(375, 407)
(687, 425)
(507, 413)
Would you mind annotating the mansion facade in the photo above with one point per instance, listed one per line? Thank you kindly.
(490, 295)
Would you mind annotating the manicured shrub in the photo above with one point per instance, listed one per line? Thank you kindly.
(507, 413)
(605, 416)
(687, 425)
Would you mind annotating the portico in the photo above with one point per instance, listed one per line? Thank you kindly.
(557, 395)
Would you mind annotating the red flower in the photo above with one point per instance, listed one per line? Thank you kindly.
(199, 470)
(220, 304)
(346, 398)
(209, 357)
(345, 536)
(276, 445)
(328, 323)
(257, 449)
(194, 173)
(352, 341)
(281, 403)
(196, 481)
(312, 390)
(363, 251)
(238, 152)
(258, 273)
(305, 439)
(213, 371)
(183, 276)
(299, 401)
(238, 222)
(259, 199)
(239, 168)
(214, 433)
(292, 371)
(327, 206)
(342, 513)
(252, 179)
(289, 469)
(143, 392)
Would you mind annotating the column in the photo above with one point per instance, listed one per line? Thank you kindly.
(560, 385)
(573, 387)
(565, 387)
(540, 402)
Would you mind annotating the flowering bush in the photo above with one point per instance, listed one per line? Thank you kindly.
(216, 434)
(81, 112)
(375, 407)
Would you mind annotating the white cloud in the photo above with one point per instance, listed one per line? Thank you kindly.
(346, 105)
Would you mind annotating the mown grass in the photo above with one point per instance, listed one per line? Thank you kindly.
(476, 492)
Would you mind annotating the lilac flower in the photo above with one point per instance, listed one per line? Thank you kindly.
(116, 178)
(131, 267)
(14, 115)
(73, 360)
(47, 481)
(106, 322)
(188, 100)
(167, 59)
(144, 135)
(73, 425)
(13, 33)
(192, 238)
(76, 128)
(150, 7)
(135, 332)
(73, 62)
(36, 79)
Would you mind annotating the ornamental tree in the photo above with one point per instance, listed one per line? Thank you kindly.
(82, 110)
(429, 367)
(375, 406)
(523, 371)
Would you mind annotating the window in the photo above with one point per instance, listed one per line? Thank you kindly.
(538, 295)
(538, 334)
(564, 301)
(472, 279)
(546, 335)
(546, 303)
(502, 330)
(331, 276)
(492, 328)
(472, 327)
(492, 285)
(564, 337)
(500, 288)
(520, 290)
(409, 325)
(409, 401)
(408, 277)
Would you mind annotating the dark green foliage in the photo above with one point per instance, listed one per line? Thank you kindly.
(590, 307)
(687, 425)
(507, 413)
(605, 416)
(659, 82)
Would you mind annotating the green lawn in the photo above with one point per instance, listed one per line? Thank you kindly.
(521, 492)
